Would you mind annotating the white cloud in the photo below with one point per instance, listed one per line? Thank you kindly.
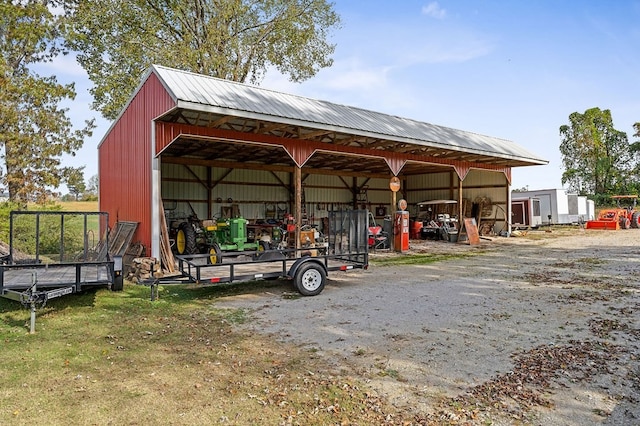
(434, 10)
(462, 49)
(345, 75)
(354, 75)
(349, 82)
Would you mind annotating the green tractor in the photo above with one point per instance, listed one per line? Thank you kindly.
(214, 237)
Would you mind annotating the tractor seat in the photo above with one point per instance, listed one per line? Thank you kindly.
(377, 238)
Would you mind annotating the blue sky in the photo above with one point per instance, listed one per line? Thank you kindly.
(510, 69)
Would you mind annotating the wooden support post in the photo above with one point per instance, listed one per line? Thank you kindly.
(209, 195)
(507, 208)
(298, 203)
(460, 218)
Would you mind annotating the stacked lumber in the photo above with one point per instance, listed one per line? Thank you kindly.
(135, 250)
(144, 269)
(167, 259)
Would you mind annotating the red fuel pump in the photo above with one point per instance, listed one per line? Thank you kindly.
(401, 231)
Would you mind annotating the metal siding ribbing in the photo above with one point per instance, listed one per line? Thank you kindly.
(251, 176)
(250, 189)
(125, 160)
(431, 180)
(323, 195)
(481, 177)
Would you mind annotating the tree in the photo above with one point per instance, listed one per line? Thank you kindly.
(635, 146)
(34, 130)
(75, 182)
(92, 188)
(91, 192)
(237, 40)
(596, 157)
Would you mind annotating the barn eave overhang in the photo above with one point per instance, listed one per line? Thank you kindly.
(250, 115)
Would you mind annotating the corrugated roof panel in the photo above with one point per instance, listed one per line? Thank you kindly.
(199, 91)
(275, 106)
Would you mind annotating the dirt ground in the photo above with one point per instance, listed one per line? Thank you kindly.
(542, 329)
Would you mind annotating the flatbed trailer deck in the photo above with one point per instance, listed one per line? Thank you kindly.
(195, 271)
(56, 275)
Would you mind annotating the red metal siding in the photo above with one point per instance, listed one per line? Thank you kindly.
(124, 160)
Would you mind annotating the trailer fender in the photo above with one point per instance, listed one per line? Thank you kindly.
(309, 275)
(304, 259)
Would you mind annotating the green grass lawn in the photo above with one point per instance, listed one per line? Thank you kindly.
(79, 206)
(105, 357)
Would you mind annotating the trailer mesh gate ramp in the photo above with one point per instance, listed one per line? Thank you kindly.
(53, 254)
(346, 249)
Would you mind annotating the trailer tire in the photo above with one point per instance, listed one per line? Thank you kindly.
(186, 239)
(635, 220)
(118, 283)
(310, 279)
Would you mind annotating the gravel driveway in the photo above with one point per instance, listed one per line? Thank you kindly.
(541, 329)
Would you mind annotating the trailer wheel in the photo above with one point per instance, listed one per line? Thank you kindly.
(635, 220)
(186, 239)
(310, 279)
(214, 255)
(118, 283)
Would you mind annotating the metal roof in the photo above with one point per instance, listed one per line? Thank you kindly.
(209, 94)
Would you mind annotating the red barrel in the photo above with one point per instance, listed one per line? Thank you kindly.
(416, 229)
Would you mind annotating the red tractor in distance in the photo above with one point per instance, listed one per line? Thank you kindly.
(618, 217)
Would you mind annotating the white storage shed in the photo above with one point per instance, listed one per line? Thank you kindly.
(557, 207)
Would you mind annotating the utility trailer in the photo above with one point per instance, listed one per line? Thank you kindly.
(346, 249)
(525, 212)
(53, 254)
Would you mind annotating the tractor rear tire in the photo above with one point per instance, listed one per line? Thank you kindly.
(214, 255)
(264, 246)
(186, 239)
(635, 220)
(625, 223)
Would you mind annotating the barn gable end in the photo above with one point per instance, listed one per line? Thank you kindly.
(124, 159)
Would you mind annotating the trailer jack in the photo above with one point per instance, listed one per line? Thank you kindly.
(33, 299)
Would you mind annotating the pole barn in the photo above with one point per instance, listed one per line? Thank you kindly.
(192, 144)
